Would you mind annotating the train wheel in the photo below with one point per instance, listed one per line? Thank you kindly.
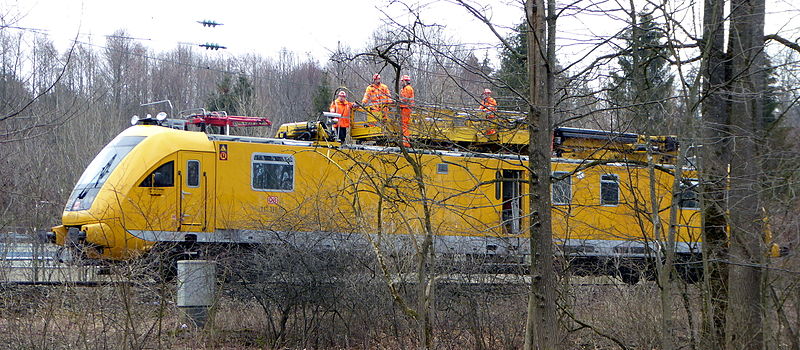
(689, 273)
(629, 275)
(164, 260)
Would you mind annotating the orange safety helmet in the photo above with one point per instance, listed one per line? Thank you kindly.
(405, 78)
(487, 91)
(376, 76)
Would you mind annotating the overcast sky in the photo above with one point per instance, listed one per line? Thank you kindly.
(262, 27)
(316, 26)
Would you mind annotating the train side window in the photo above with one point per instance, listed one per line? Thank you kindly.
(609, 189)
(562, 189)
(511, 215)
(163, 176)
(690, 197)
(193, 173)
(272, 172)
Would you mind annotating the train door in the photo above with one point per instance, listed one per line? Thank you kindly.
(195, 182)
(510, 193)
(154, 199)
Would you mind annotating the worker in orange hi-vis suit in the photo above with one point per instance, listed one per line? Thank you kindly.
(376, 100)
(342, 106)
(489, 105)
(406, 102)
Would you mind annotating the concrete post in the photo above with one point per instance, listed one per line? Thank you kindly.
(196, 285)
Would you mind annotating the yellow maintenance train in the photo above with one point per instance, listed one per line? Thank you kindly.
(155, 185)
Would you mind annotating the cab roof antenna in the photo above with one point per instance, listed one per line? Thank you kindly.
(168, 102)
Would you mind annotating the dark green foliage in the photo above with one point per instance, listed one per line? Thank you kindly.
(231, 98)
(323, 96)
(770, 96)
(641, 87)
(780, 162)
(513, 72)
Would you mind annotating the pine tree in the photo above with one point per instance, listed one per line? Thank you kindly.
(640, 89)
(770, 98)
(231, 98)
(323, 96)
(513, 72)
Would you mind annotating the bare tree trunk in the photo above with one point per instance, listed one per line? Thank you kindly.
(744, 320)
(714, 171)
(542, 324)
(425, 275)
(665, 246)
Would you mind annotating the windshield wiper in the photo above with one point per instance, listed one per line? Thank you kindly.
(99, 176)
(104, 170)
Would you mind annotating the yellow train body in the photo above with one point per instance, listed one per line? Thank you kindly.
(154, 185)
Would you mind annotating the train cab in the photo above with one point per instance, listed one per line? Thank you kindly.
(147, 178)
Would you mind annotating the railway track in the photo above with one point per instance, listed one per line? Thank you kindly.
(25, 263)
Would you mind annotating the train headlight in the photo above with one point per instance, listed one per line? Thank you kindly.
(148, 119)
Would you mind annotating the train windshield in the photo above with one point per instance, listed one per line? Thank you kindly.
(98, 170)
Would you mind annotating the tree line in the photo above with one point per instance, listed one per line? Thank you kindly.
(732, 104)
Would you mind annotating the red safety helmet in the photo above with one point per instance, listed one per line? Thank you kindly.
(376, 76)
(487, 91)
(405, 78)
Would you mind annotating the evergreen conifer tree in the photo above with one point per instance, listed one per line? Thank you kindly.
(513, 72)
(231, 98)
(640, 89)
(323, 96)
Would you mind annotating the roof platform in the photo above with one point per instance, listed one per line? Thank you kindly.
(507, 132)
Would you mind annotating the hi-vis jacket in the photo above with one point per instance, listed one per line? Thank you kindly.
(343, 108)
(377, 96)
(407, 97)
(489, 104)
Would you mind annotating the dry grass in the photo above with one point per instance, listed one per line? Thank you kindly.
(360, 317)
